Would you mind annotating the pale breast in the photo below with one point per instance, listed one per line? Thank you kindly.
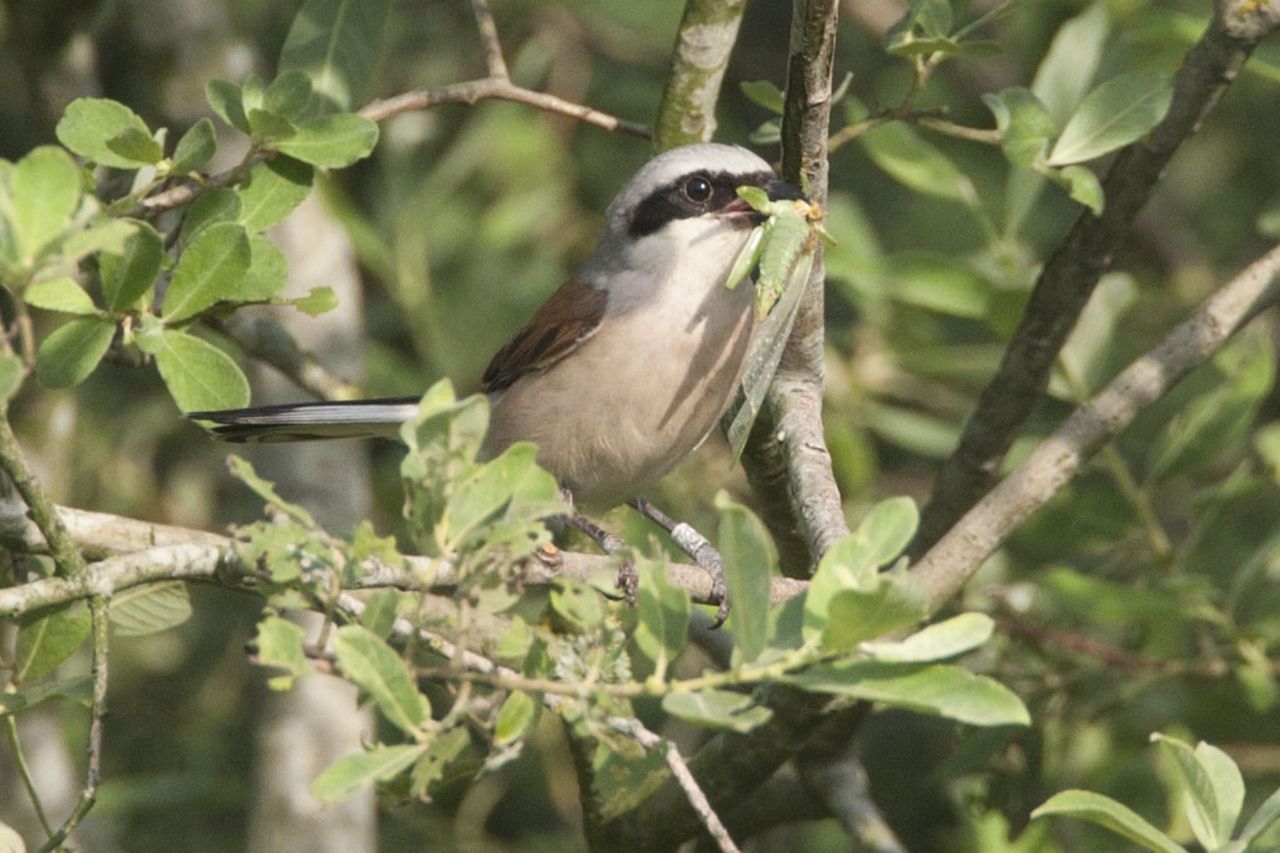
(638, 396)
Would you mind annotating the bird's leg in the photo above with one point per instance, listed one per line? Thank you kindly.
(702, 552)
(611, 544)
(628, 578)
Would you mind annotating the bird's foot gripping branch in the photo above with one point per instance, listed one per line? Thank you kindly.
(462, 664)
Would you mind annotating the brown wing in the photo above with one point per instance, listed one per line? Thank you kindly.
(568, 317)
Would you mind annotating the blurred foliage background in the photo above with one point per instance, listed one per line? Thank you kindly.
(466, 218)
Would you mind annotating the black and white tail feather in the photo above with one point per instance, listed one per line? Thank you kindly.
(309, 421)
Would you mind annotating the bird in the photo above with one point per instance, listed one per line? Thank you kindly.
(627, 367)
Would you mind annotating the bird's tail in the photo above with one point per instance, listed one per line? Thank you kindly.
(309, 421)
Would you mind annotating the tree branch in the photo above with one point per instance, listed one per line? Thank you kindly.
(487, 88)
(949, 564)
(634, 729)
(65, 555)
(707, 34)
(786, 459)
(137, 552)
(1072, 271)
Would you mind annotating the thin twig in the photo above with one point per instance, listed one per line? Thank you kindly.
(24, 772)
(1073, 269)
(634, 729)
(98, 711)
(188, 190)
(945, 568)
(471, 91)
(66, 556)
(489, 36)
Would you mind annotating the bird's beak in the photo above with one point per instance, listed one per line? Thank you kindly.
(784, 191)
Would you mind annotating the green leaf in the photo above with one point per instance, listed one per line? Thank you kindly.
(70, 354)
(44, 191)
(750, 561)
(444, 749)
(1084, 357)
(1068, 66)
(768, 133)
(937, 689)
(1200, 800)
(196, 147)
(103, 235)
(1263, 819)
(288, 94)
(909, 159)
(1111, 116)
(853, 615)
(252, 93)
(220, 205)
(925, 20)
(485, 491)
(137, 146)
(77, 688)
(1024, 123)
(268, 271)
(1228, 785)
(211, 270)
(379, 615)
(11, 375)
(366, 659)
(577, 604)
(60, 294)
(89, 125)
(337, 44)
(717, 709)
(150, 609)
(199, 376)
(1108, 813)
(332, 141)
(280, 645)
(765, 94)
(243, 471)
(941, 283)
(47, 638)
(515, 717)
(341, 778)
(946, 639)
(851, 562)
(269, 128)
(1218, 417)
(227, 102)
(128, 276)
(317, 301)
(1081, 184)
(272, 189)
(663, 616)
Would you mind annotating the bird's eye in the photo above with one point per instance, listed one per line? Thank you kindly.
(697, 189)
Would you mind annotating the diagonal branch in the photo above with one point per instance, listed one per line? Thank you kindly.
(1072, 271)
(707, 34)
(945, 568)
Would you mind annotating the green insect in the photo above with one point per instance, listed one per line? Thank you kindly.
(782, 249)
(775, 246)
